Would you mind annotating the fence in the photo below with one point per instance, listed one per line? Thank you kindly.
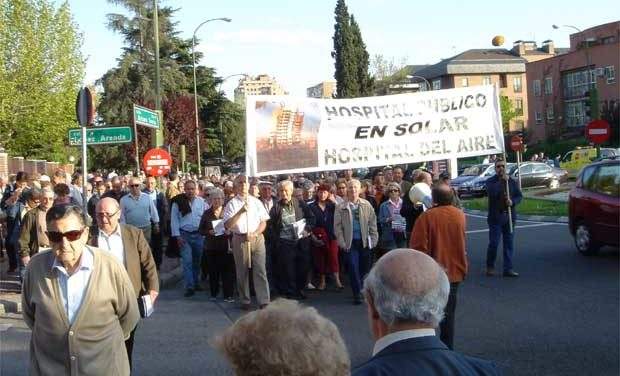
(11, 165)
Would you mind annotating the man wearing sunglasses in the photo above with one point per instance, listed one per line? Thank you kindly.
(137, 209)
(499, 202)
(128, 245)
(78, 301)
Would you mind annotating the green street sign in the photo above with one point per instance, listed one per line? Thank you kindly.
(144, 116)
(100, 136)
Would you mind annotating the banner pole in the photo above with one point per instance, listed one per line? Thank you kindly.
(247, 224)
(508, 193)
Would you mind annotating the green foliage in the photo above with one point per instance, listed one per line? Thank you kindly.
(508, 112)
(387, 72)
(350, 56)
(41, 68)
(528, 206)
(227, 125)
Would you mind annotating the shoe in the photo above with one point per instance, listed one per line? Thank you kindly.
(188, 293)
(321, 287)
(490, 272)
(197, 287)
(511, 273)
(245, 306)
(229, 300)
(263, 306)
(310, 286)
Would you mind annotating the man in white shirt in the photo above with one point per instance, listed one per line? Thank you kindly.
(185, 215)
(138, 210)
(246, 217)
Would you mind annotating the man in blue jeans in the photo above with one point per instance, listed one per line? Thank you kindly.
(355, 227)
(499, 202)
(185, 214)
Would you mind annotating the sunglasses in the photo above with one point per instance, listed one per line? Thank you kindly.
(134, 185)
(56, 237)
(394, 190)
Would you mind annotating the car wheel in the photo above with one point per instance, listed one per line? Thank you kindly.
(583, 240)
(554, 184)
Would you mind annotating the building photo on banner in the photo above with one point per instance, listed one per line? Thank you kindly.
(286, 134)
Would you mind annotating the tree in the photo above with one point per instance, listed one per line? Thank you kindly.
(386, 72)
(41, 68)
(350, 56)
(230, 118)
(508, 112)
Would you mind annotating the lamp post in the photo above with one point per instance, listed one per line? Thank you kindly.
(196, 90)
(412, 76)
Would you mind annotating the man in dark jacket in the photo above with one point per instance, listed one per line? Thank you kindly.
(497, 218)
(159, 199)
(406, 292)
(291, 240)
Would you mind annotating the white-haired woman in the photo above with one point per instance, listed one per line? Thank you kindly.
(221, 262)
(392, 224)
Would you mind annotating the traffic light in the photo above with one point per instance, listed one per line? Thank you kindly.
(591, 103)
(588, 108)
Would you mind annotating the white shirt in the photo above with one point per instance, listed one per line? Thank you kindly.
(189, 222)
(73, 287)
(391, 338)
(256, 211)
(113, 244)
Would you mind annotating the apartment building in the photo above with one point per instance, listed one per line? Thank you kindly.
(558, 87)
(325, 89)
(262, 84)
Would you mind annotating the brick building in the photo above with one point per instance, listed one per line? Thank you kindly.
(557, 86)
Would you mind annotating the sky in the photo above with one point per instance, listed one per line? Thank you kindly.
(291, 40)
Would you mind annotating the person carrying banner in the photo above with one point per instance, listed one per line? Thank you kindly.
(246, 217)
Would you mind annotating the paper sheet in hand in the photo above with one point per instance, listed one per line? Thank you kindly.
(399, 223)
(218, 227)
(299, 227)
(146, 306)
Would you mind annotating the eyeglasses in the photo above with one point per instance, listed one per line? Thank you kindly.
(106, 215)
(56, 237)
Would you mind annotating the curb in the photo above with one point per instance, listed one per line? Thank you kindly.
(531, 218)
(170, 278)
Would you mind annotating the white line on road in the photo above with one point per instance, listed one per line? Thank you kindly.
(522, 226)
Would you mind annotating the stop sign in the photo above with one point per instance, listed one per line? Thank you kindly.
(597, 131)
(157, 162)
(516, 143)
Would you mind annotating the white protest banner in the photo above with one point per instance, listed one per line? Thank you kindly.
(288, 134)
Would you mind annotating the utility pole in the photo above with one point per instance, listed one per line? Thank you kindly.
(158, 135)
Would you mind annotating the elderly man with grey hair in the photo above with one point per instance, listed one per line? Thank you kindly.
(406, 292)
(285, 339)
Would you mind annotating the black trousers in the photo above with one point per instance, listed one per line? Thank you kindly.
(221, 268)
(447, 324)
(293, 265)
(156, 246)
(129, 345)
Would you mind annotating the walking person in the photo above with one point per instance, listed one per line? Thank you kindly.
(393, 225)
(161, 204)
(498, 220)
(33, 233)
(325, 244)
(440, 233)
(187, 210)
(138, 210)
(246, 217)
(355, 226)
(216, 248)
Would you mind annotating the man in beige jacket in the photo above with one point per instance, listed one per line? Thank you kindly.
(355, 227)
(79, 303)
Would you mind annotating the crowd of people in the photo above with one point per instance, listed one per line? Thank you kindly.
(245, 237)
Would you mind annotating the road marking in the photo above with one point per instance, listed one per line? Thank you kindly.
(522, 226)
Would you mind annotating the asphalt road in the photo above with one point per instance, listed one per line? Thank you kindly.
(561, 317)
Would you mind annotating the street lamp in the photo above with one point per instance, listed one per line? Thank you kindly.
(219, 88)
(587, 50)
(426, 83)
(196, 90)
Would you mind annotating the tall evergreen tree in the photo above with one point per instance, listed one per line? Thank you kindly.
(350, 55)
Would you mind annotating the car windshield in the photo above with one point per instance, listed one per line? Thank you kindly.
(512, 167)
(473, 170)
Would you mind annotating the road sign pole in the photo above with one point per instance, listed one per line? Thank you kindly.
(135, 136)
(84, 173)
(519, 167)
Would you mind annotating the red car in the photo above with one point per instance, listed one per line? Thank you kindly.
(594, 206)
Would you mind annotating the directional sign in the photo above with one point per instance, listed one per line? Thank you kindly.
(145, 116)
(100, 135)
(598, 131)
(157, 162)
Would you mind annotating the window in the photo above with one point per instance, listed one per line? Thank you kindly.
(610, 73)
(464, 82)
(519, 106)
(574, 113)
(503, 81)
(585, 180)
(536, 88)
(548, 86)
(608, 180)
(527, 169)
(608, 40)
(550, 114)
(568, 157)
(576, 83)
(486, 80)
(437, 84)
(541, 168)
(539, 119)
(516, 84)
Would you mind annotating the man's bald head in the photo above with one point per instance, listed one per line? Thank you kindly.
(108, 205)
(108, 214)
(408, 287)
(442, 194)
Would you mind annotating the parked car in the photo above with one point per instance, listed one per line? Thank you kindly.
(472, 181)
(538, 174)
(594, 207)
(576, 159)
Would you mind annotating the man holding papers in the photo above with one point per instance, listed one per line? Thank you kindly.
(290, 226)
(355, 226)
